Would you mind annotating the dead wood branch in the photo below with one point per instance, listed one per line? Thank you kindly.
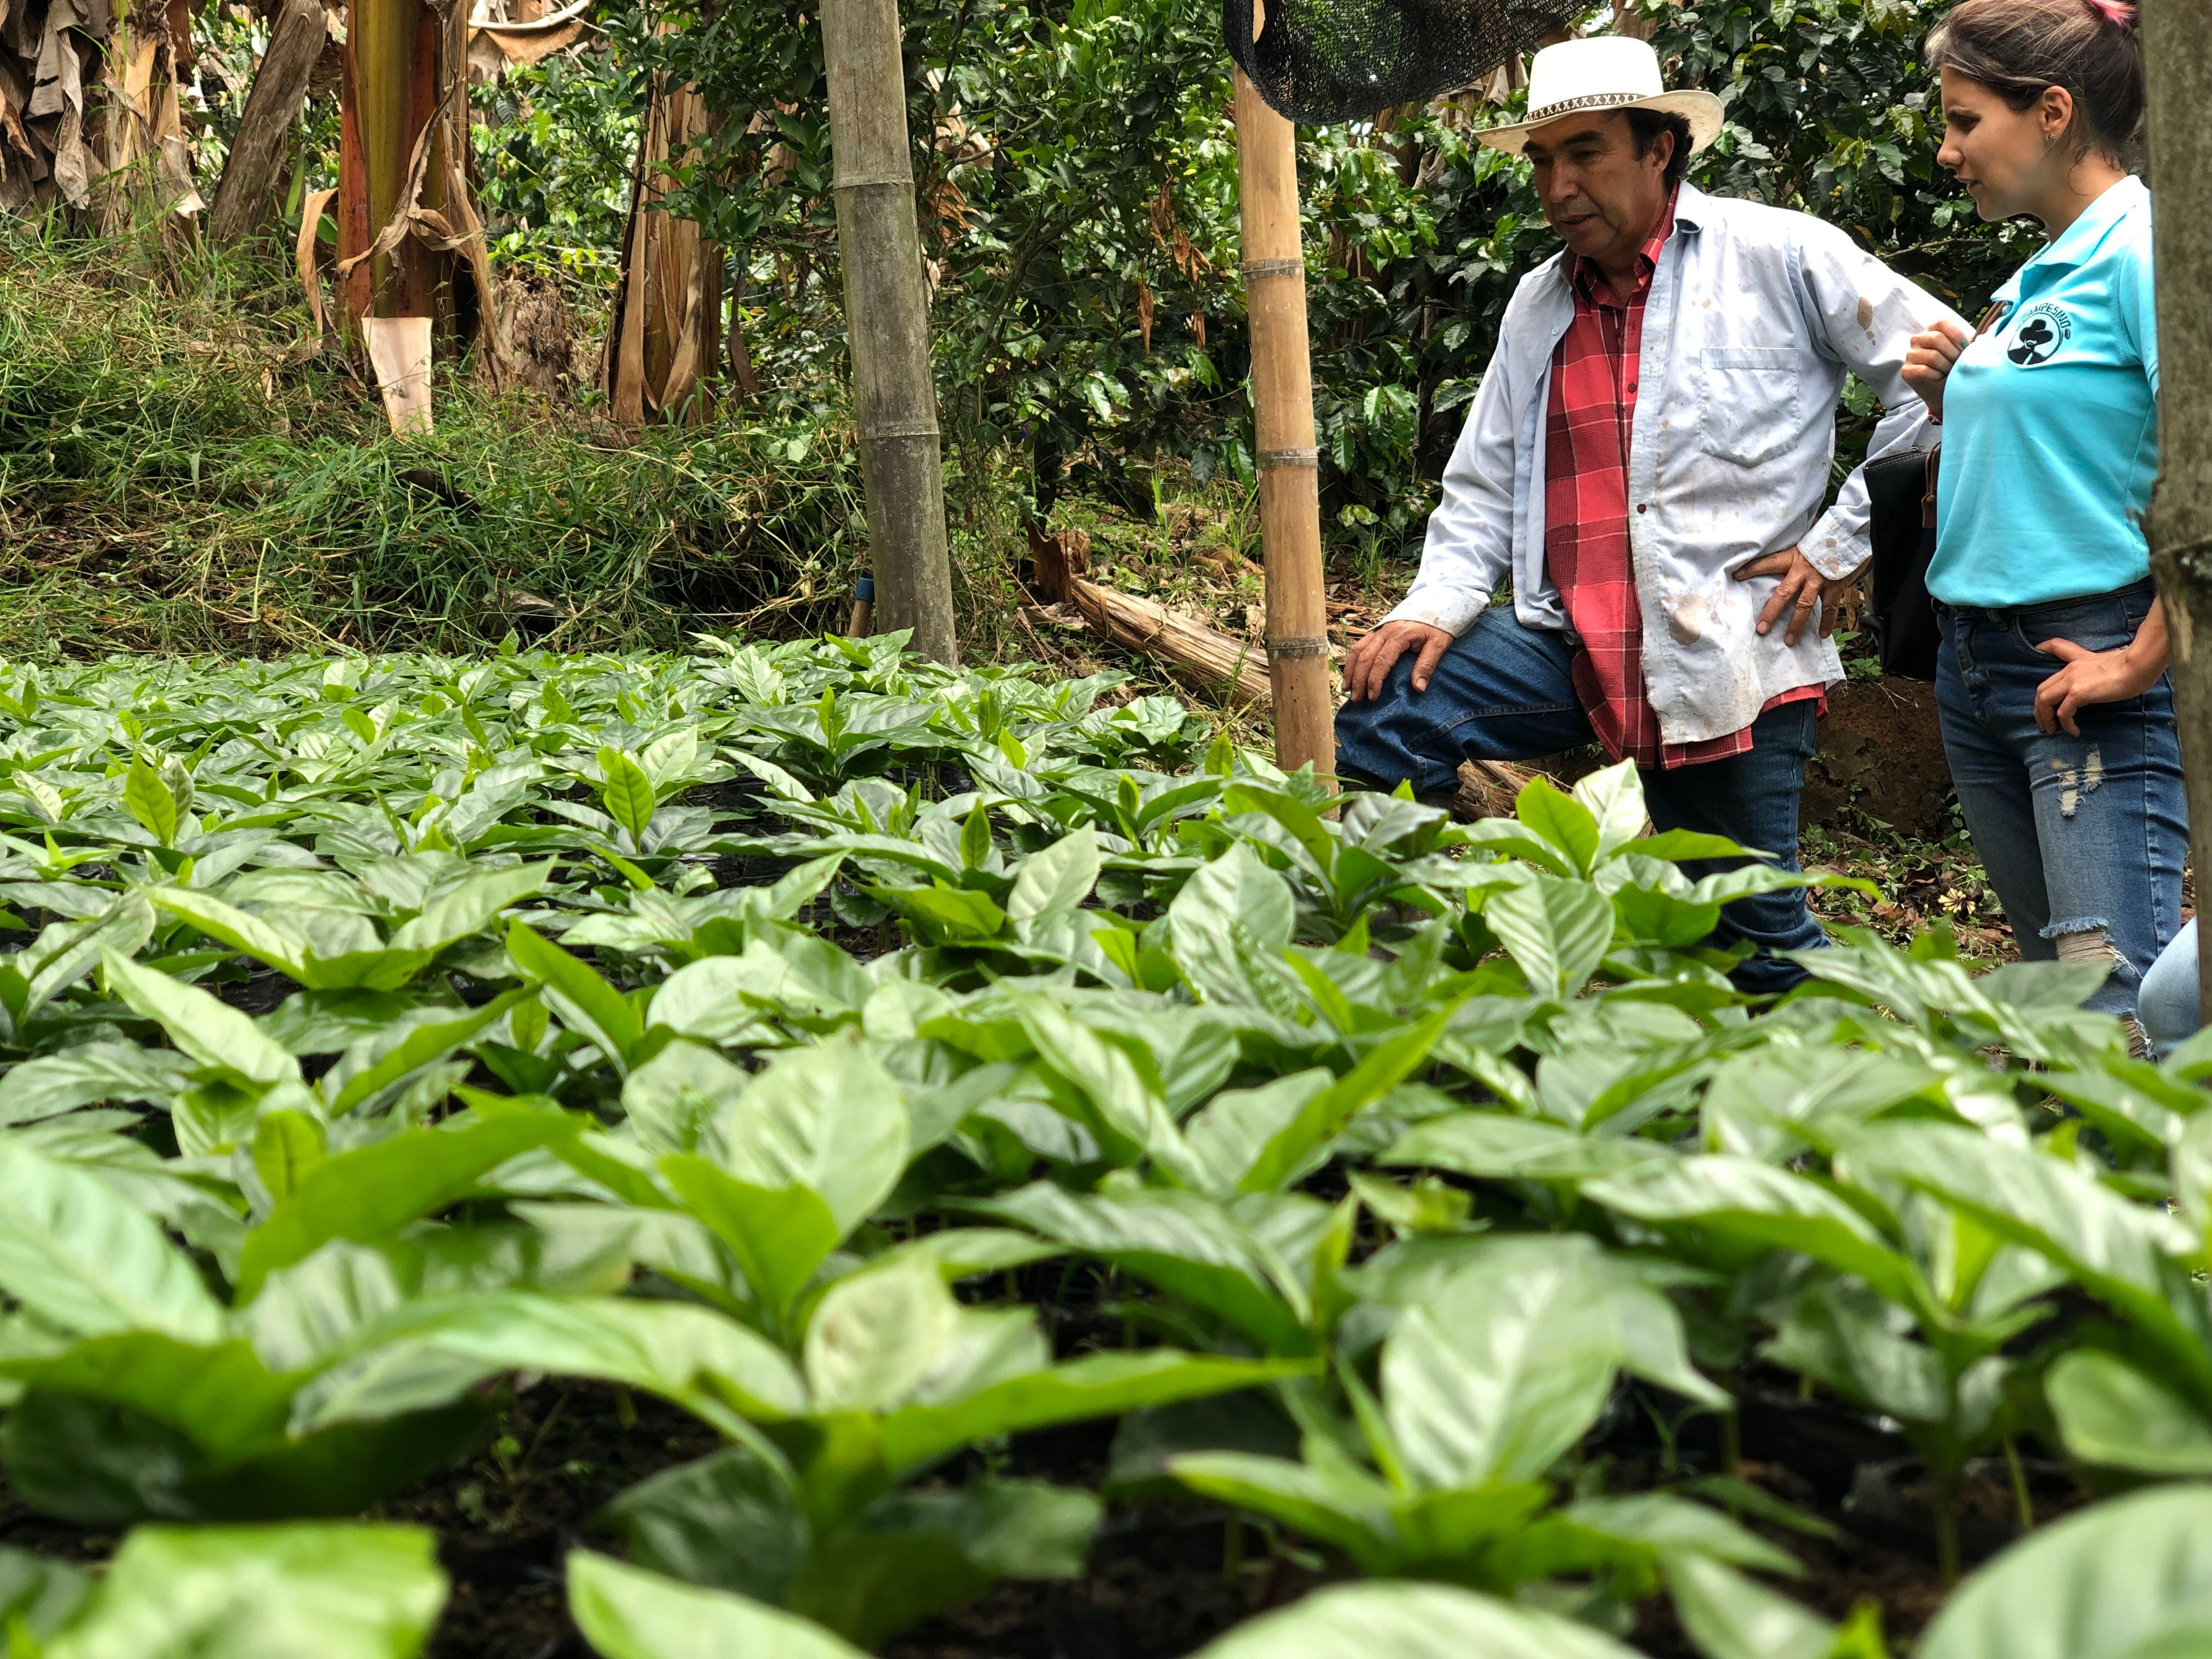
(1195, 652)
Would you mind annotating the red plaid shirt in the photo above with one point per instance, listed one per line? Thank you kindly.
(1586, 549)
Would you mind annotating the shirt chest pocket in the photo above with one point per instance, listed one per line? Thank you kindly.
(1752, 412)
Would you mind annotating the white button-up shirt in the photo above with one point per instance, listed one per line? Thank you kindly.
(1755, 315)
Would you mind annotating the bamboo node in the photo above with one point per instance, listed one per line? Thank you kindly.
(1308, 456)
(1291, 650)
(871, 180)
(909, 430)
(1259, 268)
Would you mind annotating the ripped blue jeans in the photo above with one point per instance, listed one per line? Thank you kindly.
(2083, 837)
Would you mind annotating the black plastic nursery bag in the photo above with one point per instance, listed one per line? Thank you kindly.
(1319, 61)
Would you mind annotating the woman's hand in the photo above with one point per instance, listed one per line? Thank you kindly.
(1927, 362)
(2090, 677)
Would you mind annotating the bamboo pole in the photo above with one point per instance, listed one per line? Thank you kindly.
(1283, 422)
(887, 322)
(2178, 49)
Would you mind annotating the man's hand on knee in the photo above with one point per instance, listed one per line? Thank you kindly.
(1798, 590)
(1368, 668)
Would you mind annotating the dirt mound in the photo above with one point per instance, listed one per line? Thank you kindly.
(1881, 750)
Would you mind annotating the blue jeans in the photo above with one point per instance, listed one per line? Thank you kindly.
(2083, 837)
(2167, 1004)
(1505, 692)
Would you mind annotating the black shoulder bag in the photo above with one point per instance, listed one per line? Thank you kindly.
(1901, 491)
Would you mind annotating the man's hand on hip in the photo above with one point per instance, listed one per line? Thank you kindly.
(1799, 589)
(1368, 668)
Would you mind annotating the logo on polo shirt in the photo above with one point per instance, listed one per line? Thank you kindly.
(2043, 328)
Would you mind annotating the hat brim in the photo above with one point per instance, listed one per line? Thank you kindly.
(1701, 109)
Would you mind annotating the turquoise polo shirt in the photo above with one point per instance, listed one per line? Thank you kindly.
(2051, 423)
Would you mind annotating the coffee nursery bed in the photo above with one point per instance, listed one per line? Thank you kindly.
(789, 1150)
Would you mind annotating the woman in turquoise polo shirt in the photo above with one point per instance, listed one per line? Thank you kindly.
(2058, 714)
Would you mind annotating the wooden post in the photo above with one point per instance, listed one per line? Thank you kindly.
(1283, 423)
(887, 322)
(2178, 48)
(244, 200)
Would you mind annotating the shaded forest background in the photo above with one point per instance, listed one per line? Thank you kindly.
(182, 466)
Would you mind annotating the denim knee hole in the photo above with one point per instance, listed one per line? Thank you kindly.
(2084, 939)
(2075, 781)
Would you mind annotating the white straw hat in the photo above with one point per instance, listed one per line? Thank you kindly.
(1603, 72)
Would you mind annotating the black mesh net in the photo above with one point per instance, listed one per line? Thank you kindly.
(1318, 61)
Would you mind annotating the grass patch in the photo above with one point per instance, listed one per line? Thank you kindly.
(180, 469)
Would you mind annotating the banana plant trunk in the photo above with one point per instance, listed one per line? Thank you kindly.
(407, 228)
(665, 339)
(2178, 48)
(887, 322)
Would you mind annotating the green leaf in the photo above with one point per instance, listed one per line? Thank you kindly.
(1729, 1616)
(81, 1255)
(1560, 819)
(338, 1592)
(371, 1192)
(1291, 1147)
(418, 1048)
(149, 800)
(948, 915)
(1495, 1146)
(1669, 1525)
(1338, 1504)
(1059, 879)
(828, 1118)
(470, 908)
(266, 941)
(210, 1030)
(1495, 1379)
(585, 1001)
(1231, 1133)
(87, 1075)
(287, 1145)
(39, 1594)
(626, 792)
(779, 1235)
(1556, 930)
(1613, 796)
(729, 1521)
(975, 838)
(915, 1554)
(1843, 1334)
(1191, 1247)
(627, 1612)
(875, 1336)
(1410, 1621)
(1235, 899)
(2111, 1414)
(2127, 1579)
(1745, 1199)
(1098, 1385)
(427, 1350)
(2125, 1252)
(219, 1395)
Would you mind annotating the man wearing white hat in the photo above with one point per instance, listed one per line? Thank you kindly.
(1646, 460)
